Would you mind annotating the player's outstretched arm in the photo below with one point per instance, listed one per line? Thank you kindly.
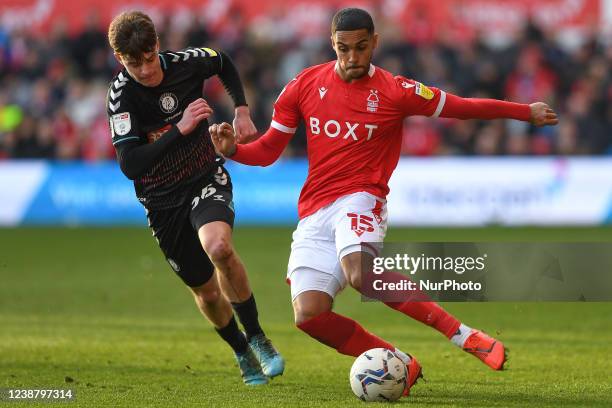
(538, 113)
(542, 114)
(263, 152)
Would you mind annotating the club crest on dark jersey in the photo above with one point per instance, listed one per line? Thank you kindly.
(168, 102)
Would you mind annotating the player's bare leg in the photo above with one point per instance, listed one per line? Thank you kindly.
(489, 350)
(310, 304)
(212, 304)
(216, 239)
(217, 309)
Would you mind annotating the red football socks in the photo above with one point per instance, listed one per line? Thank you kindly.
(418, 307)
(429, 313)
(343, 334)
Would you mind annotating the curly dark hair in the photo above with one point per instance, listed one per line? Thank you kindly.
(131, 34)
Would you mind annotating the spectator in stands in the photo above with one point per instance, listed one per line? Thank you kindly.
(51, 85)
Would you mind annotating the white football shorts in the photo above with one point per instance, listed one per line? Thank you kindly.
(322, 239)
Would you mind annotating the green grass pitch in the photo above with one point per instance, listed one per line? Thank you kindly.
(99, 310)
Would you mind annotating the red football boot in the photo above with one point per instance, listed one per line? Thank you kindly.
(414, 373)
(490, 351)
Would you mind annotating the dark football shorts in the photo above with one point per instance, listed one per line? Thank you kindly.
(176, 229)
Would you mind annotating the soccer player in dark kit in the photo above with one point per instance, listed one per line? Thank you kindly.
(159, 127)
(354, 112)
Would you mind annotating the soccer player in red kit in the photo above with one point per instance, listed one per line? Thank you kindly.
(354, 112)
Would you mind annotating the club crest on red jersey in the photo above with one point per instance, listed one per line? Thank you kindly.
(372, 101)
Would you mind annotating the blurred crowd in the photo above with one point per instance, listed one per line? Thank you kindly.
(53, 87)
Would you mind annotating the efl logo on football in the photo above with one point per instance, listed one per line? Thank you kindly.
(360, 223)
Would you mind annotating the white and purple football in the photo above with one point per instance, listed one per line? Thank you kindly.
(378, 375)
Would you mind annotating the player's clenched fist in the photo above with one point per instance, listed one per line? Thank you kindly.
(542, 114)
(244, 127)
(196, 112)
(223, 138)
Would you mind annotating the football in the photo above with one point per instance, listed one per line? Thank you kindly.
(378, 375)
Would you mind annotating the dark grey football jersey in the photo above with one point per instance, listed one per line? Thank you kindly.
(140, 114)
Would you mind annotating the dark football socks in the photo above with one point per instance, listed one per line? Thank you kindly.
(233, 336)
(247, 313)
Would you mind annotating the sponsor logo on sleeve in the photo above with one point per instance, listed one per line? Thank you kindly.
(121, 123)
(423, 91)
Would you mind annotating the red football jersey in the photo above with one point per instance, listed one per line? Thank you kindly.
(353, 129)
